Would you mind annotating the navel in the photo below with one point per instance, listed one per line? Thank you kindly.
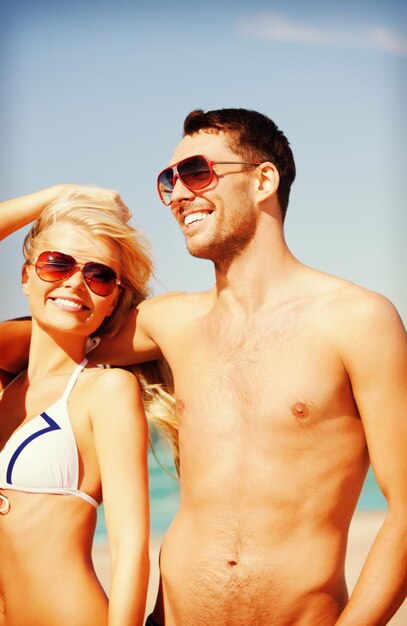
(300, 410)
(180, 406)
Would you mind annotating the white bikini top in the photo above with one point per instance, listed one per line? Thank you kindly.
(42, 456)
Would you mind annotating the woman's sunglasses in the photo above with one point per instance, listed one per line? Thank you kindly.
(55, 266)
(194, 172)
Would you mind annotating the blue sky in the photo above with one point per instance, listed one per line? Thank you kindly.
(96, 92)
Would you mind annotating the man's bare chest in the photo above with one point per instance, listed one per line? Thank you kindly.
(275, 369)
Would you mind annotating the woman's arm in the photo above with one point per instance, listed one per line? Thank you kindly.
(19, 212)
(15, 336)
(121, 441)
(14, 214)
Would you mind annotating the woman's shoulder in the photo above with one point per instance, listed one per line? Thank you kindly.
(106, 380)
(106, 390)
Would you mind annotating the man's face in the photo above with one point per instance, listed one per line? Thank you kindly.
(219, 220)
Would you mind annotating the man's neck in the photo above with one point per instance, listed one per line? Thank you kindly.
(259, 276)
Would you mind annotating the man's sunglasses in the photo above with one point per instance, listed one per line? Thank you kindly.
(194, 172)
(55, 266)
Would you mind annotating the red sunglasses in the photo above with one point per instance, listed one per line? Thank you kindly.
(195, 172)
(54, 266)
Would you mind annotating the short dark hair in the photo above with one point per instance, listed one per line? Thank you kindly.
(252, 135)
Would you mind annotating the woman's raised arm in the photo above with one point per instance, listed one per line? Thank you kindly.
(19, 212)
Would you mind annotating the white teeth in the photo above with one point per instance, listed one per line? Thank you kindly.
(69, 304)
(195, 217)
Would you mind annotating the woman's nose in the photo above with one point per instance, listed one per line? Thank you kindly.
(76, 278)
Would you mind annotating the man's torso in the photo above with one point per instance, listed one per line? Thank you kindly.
(273, 457)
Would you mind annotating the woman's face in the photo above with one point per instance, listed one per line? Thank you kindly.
(69, 304)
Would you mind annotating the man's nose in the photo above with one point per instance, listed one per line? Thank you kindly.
(180, 191)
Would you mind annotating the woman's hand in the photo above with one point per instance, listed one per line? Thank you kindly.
(19, 212)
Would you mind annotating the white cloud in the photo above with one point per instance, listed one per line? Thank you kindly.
(272, 26)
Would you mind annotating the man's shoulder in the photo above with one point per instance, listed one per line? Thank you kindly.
(352, 308)
(176, 300)
(357, 301)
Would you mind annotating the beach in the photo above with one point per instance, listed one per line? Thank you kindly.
(363, 529)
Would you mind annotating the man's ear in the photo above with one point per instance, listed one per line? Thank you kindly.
(268, 180)
(25, 279)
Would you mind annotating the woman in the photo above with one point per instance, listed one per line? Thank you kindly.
(72, 433)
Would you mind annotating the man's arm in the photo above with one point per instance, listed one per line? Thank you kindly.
(132, 344)
(375, 356)
(135, 342)
(15, 338)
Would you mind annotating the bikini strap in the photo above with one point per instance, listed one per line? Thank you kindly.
(74, 378)
(11, 382)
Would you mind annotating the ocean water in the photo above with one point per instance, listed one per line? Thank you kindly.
(164, 495)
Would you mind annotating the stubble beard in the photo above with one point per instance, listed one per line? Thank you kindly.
(228, 243)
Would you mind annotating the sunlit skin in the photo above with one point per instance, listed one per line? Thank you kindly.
(52, 305)
(281, 399)
(46, 572)
(226, 231)
(288, 382)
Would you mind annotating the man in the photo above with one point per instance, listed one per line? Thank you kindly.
(288, 382)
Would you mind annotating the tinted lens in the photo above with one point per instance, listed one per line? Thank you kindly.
(166, 185)
(100, 278)
(53, 266)
(195, 172)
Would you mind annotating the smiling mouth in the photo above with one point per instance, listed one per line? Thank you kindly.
(198, 216)
(69, 305)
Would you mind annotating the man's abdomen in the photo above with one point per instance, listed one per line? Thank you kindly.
(231, 575)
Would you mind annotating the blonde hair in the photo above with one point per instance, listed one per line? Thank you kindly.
(104, 215)
(159, 402)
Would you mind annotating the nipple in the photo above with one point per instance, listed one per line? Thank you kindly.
(300, 410)
(180, 406)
